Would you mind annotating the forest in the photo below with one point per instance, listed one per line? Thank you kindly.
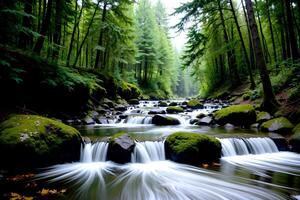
(107, 81)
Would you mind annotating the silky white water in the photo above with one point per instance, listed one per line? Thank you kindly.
(149, 177)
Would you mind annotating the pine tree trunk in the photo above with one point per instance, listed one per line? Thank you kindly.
(252, 86)
(57, 28)
(100, 41)
(269, 101)
(26, 39)
(44, 29)
(271, 32)
(230, 56)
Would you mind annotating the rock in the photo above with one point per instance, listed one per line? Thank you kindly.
(120, 148)
(109, 103)
(162, 104)
(206, 121)
(295, 139)
(120, 108)
(200, 115)
(29, 141)
(262, 117)
(280, 141)
(173, 104)
(157, 111)
(194, 104)
(194, 121)
(101, 110)
(229, 126)
(254, 126)
(164, 120)
(123, 116)
(187, 110)
(105, 106)
(184, 103)
(101, 120)
(88, 121)
(192, 148)
(238, 115)
(174, 109)
(278, 125)
(133, 102)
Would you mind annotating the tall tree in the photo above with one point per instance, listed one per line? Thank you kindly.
(269, 101)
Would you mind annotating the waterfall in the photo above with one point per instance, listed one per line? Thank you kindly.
(139, 120)
(148, 151)
(96, 152)
(245, 146)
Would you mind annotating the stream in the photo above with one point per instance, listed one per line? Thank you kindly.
(251, 167)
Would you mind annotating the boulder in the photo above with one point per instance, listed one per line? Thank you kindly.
(120, 108)
(200, 115)
(174, 109)
(194, 104)
(173, 104)
(162, 104)
(88, 121)
(101, 120)
(108, 102)
(33, 141)
(157, 111)
(194, 121)
(164, 120)
(133, 102)
(278, 125)
(206, 121)
(238, 115)
(262, 117)
(295, 139)
(192, 148)
(120, 148)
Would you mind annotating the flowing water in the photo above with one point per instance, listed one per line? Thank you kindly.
(251, 166)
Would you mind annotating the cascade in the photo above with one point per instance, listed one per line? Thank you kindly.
(245, 146)
(148, 151)
(96, 152)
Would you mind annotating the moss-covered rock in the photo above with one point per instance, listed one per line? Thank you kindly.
(295, 139)
(133, 102)
(238, 115)
(262, 117)
(194, 104)
(192, 148)
(174, 109)
(34, 141)
(162, 104)
(120, 148)
(128, 90)
(164, 120)
(279, 125)
(173, 104)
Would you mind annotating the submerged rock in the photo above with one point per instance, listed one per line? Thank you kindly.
(162, 104)
(200, 115)
(120, 148)
(164, 120)
(206, 121)
(295, 139)
(192, 148)
(194, 104)
(157, 111)
(278, 125)
(174, 109)
(133, 102)
(262, 117)
(238, 115)
(33, 141)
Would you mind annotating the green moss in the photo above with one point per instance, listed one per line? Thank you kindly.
(194, 103)
(280, 125)
(243, 115)
(246, 96)
(115, 136)
(192, 148)
(174, 109)
(164, 120)
(296, 130)
(35, 137)
(129, 90)
(162, 104)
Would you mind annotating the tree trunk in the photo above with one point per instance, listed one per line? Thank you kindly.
(86, 34)
(100, 41)
(230, 56)
(57, 28)
(44, 29)
(26, 39)
(76, 23)
(252, 86)
(271, 32)
(269, 101)
(290, 25)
